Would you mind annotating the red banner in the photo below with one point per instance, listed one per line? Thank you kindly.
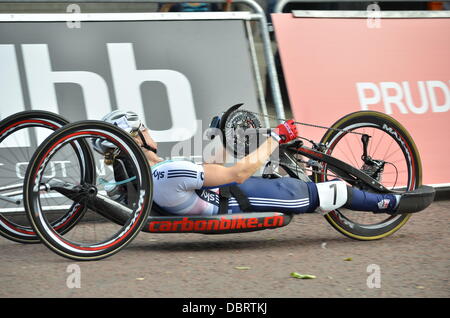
(399, 66)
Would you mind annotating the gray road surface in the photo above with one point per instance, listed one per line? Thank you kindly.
(414, 262)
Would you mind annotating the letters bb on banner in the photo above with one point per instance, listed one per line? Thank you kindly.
(334, 66)
(176, 74)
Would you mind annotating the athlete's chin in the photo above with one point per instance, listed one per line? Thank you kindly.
(152, 158)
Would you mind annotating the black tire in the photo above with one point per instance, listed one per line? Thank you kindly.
(10, 227)
(371, 122)
(129, 224)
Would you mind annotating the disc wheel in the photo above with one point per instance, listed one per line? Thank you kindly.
(115, 215)
(19, 136)
(389, 145)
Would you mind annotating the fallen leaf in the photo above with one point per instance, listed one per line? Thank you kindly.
(302, 276)
(140, 278)
(348, 259)
(242, 267)
(420, 287)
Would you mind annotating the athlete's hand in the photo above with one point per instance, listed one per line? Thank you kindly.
(287, 131)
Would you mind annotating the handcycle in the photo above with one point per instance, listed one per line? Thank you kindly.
(86, 205)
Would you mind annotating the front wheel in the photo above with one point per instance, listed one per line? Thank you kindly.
(391, 158)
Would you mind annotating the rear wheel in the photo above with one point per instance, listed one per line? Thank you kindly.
(392, 158)
(20, 134)
(115, 216)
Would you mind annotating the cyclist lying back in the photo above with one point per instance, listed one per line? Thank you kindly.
(182, 187)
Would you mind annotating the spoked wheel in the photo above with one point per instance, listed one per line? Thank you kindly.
(239, 130)
(20, 135)
(119, 199)
(391, 158)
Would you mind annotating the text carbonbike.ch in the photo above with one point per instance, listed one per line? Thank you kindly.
(234, 222)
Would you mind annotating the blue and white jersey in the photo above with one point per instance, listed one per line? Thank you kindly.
(178, 189)
(175, 187)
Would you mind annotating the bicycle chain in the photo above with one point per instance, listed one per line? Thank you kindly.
(304, 170)
(305, 124)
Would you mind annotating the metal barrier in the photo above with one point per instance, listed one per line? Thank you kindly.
(257, 14)
(282, 3)
(369, 14)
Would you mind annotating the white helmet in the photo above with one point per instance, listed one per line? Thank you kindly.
(127, 120)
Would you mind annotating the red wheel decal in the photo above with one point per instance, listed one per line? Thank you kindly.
(119, 239)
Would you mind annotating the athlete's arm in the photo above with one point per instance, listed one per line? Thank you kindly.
(215, 152)
(216, 175)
